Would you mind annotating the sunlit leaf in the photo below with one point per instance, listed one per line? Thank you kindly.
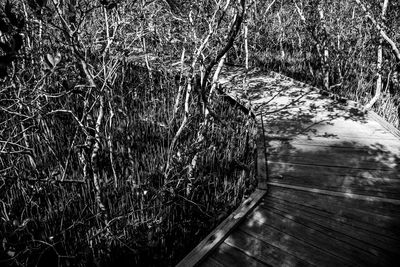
(50, 60)
(11, 253)
(57, 58)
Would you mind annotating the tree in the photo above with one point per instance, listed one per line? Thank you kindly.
(381, 29)
(378, 89)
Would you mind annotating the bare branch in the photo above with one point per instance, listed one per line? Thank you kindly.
(381, 30)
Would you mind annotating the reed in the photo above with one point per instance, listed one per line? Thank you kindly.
(151, 219)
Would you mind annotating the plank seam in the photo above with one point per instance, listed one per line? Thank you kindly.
(255, 258)
(329, 215)
(286, 251)
(300, 240)
(344, 238)
(337, 194)
(330, 166)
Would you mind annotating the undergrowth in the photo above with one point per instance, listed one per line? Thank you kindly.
(151, 218)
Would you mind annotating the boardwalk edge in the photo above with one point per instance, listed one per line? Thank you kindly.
(218, 235)
(385, 124)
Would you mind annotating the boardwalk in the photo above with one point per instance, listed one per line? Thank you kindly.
(329, 183)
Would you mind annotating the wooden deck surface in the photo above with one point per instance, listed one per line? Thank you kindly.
(331, 177)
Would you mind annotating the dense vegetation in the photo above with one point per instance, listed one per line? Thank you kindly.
(107, 156)
(116, 147)
(335, 45)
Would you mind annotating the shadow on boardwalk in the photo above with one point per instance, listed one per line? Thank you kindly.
(333, 181)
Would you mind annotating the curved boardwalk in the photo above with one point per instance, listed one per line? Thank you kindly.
(329, 183)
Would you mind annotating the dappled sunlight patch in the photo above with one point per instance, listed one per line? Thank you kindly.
(255, 219)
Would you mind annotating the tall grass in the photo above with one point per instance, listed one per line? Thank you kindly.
(151, 218)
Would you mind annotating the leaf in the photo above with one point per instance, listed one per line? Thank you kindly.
(57, 58)
(46, 65)
(16, 223)
(11, 253)
(50, 60)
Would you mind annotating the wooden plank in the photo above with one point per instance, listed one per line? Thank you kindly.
(335, 157)
(312, 170)
(262, 165)
(342, 142)
(338, 194)
(346, 208)
(340, 185)
(303, 132)
(295, 121)
(212, 262)
(346, 180)
(262, 251)
(379, 225)
(231, 257)
(320, 178)
(345, 227)
(355, 249)
(376, 214)
(377, 149)
(219, 234)
(317, 175)
(370, 205)
(318, 160)
(323, 120)
(308, 252)
(312, 143)
(303, 231)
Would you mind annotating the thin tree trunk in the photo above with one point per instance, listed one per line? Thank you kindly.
(381, 30)
(95, 156)
(181, 85)
(111, 145)
(325, 52)
(378, 89)
(246, 42)
(281, 36)
(203, 127)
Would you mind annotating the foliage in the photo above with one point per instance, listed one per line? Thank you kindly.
(290, 45)
(89, 111)
(114, 146)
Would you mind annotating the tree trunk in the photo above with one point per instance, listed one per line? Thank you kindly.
(381, 30)
(281, 36)
(246, 43)
(325, 52)
(378, 89)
